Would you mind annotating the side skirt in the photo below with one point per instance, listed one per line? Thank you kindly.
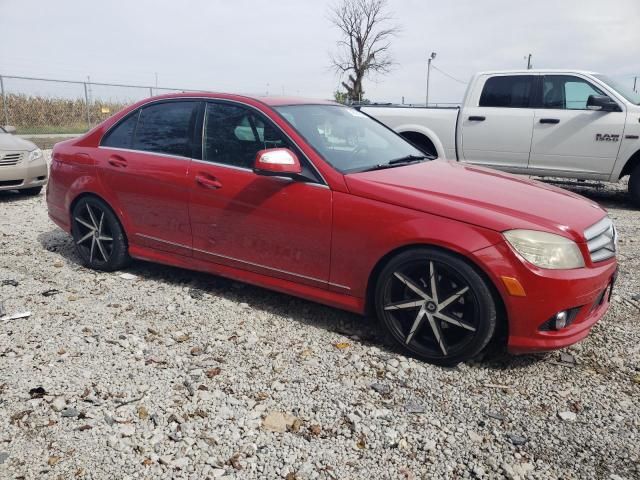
(326, 297)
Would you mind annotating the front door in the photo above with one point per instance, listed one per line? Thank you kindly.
(143, 163)
(497, 131)
(269, 225)
(568, 138)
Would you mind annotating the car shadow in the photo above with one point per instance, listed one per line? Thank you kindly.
(365, 330)
(10, 196)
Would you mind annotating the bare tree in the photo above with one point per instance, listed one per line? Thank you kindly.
(364, 46)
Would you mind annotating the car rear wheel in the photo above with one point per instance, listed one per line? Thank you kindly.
(634, 186)
(435, 305)
(98, 236)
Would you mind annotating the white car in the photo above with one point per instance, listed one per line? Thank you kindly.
(549, 123)
(22, 164)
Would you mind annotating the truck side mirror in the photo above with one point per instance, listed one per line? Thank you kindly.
(602, 103)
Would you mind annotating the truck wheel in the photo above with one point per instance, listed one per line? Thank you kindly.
(435, 305)
(634, 186)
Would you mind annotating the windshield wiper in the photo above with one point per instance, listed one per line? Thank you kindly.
(397, 162)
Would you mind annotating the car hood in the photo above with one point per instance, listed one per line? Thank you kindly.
(480, 196)
(11, 142)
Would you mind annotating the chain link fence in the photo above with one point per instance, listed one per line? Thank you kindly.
(40, 106)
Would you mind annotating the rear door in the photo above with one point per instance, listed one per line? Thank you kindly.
(497, 122)
(567, 137)
(269, 225)
(144, 164)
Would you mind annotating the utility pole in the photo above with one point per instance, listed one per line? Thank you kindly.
(426, 97)
(156, 82)
(635, 82)
(528, 62)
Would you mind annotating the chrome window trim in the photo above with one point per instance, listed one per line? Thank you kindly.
(177, 157)
(207, 100)
(149, 237)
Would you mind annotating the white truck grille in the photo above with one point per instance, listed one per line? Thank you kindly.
(601, 240)
(10, 159)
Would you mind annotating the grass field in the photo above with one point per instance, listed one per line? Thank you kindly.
(40, 115)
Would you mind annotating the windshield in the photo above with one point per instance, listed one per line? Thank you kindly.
(349, 140)
(626, 92)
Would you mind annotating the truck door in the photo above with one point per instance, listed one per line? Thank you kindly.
(567, 137)
(497, 122)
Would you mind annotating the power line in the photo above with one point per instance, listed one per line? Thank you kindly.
(450, 76)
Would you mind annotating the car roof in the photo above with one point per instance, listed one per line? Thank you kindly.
(272, 101)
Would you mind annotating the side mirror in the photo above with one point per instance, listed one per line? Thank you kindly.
(602, 103)
(280, 162)
(10, 129)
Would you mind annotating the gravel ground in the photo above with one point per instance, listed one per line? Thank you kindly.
(175, 374)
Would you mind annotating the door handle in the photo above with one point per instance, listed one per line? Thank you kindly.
(550, 120)
(477, 118)
(208, 181)
(117, 161)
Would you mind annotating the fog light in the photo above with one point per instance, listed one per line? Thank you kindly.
(561, 320)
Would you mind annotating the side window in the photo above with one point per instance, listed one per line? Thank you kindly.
(166, 128)
(512, 91)
(121, 135)
(566, 92)
(233, 135)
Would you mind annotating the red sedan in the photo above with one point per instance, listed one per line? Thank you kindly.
(318, 200)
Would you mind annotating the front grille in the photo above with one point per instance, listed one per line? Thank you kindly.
(601, 240)
(10, 159)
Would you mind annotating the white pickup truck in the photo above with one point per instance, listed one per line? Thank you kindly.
(548, 123)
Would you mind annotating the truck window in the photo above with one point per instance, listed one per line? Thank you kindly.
(512, 91)
(566, 92)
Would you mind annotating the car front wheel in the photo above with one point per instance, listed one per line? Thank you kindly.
(435, 305)
(98, 236)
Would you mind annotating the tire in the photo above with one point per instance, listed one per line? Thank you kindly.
(452, 327)
(32, 192)
(634, 186)
(98, 236)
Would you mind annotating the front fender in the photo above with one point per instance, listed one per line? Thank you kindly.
(366, 231)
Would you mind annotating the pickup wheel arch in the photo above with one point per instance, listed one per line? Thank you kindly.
(631, 164)
(421, 141)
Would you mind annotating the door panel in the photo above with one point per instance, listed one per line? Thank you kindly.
(497, 132)
(143, 162)
(270, 225)
(569, 138)
(502, 139)
(153, 191)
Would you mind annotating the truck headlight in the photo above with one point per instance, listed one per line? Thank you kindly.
(35, 155)
(545, 250)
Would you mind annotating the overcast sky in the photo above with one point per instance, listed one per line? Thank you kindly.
(260, 46)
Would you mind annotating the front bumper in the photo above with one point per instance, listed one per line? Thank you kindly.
(23, 175)
(548, 292)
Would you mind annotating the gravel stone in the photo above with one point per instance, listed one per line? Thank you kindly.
(187, 392)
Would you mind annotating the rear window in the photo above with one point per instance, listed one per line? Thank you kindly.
(513, 91)
(166, 128)
(121, 135)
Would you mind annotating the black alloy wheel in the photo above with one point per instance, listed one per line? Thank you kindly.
(98, 236)
(435, 305)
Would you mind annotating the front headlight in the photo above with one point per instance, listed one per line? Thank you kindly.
(545, 250)
(35, 155)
